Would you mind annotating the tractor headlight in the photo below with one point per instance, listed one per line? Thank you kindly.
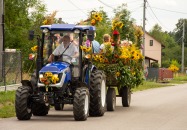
(55, 75)
(76, 31)
(41, 76)
(45, 30)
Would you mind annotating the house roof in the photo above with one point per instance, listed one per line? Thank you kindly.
(155, 40)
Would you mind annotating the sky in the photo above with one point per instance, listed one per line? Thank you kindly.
(165, 13)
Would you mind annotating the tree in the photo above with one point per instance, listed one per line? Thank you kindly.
(18, 20)
(178, 31)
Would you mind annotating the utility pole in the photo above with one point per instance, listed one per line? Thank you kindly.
(1, 36)
(183, 34)
(144, 7)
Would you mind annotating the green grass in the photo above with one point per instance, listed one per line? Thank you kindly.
(149, 85)
(7, 100)
(178, 79)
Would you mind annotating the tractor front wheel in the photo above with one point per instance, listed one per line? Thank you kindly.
(81, 104)
(23, 103)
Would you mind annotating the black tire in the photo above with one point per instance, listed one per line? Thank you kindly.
(59, 106)
(111, 99)
(23, 103)
(97, 93)
(40, 109)
(126, 96)
(81, 104)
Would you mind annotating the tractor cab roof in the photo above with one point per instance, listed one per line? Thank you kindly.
(67, 27)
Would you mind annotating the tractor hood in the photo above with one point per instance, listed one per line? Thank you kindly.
(55, 67)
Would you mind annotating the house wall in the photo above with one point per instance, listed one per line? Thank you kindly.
(153, 51)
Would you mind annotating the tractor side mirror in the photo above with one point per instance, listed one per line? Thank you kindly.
(31, 35)
(90, 35)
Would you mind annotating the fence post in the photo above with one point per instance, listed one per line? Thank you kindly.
(4, 76)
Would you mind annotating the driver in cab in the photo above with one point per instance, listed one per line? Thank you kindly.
(67, 49)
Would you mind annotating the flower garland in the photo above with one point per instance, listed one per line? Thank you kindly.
(49, 78)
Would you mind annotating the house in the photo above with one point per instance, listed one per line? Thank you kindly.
(153, 50)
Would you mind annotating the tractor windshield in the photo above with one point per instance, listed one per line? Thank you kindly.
(53, 39)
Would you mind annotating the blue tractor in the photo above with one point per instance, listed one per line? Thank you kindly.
(80, 82)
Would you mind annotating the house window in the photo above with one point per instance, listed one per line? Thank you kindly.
(151, 43)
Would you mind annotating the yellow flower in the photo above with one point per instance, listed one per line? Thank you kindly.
(48, 74)
(54, 79)
(88, 49)
(34, 49)
(173, 68)
(117, 74)
(85, 49)
(93, 22)
(45, 22)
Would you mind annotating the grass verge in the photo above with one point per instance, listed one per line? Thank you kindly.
(7, 100)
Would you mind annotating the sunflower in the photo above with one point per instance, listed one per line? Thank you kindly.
(117, 74)
(93, 22)
(34, 48)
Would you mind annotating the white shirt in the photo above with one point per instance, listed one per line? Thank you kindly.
(70, 51)
(102, 47)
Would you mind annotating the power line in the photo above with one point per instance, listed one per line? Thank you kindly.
(179, 40)
(77, 7)
(136, 9)
(170, 10)
(113, 5)
(156, 16)
(105, 4)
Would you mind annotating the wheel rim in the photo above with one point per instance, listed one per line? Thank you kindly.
(86, 105)
(103, 93)
(28, 105)
(129, 96)
(114, 102)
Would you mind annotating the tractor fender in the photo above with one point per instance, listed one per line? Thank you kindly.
(27, 83)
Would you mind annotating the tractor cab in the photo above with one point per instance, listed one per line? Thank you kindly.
(51, 39)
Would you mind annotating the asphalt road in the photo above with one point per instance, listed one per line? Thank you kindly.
(154, 109)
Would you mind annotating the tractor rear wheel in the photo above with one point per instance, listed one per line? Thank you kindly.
(111, 99)
(23, 103)
(126, 96)
(40, 109)
(97, 93)
(81, 104)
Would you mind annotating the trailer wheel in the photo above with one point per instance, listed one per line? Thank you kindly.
(97, 93)
(81, 104)
(59, 106)
(23, 103)
(126, 96)
(111, 99)
(40, 109)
